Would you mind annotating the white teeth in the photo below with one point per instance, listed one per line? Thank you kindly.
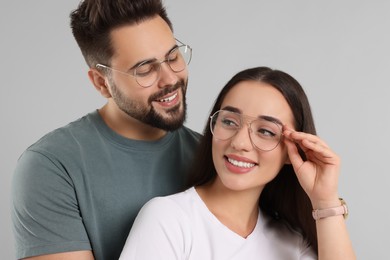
(169, 99)
(241, 164)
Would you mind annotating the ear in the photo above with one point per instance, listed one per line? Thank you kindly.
(100, 82)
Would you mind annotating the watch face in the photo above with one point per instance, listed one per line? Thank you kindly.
(344, 204)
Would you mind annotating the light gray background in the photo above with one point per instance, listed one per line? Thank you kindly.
(338, 50)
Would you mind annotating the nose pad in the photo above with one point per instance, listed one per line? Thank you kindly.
(242, 140)
(167, 76)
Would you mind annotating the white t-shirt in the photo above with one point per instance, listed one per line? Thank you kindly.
(180, 226)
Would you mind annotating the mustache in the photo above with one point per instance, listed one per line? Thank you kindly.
(167, 90)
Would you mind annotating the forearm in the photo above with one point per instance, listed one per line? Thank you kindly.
(333, 239)
(76, 255)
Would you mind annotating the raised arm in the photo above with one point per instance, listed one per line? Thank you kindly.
(318, 176)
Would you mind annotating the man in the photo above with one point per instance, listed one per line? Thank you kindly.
(78, 189)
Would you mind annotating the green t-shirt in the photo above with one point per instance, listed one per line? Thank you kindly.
(81, 186)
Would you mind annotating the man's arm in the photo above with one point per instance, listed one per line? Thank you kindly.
(77, 255)
(45, 211)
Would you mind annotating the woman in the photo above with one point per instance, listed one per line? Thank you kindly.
(259, 172)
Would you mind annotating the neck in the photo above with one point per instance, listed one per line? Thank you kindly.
(237, 210)
(128, 127)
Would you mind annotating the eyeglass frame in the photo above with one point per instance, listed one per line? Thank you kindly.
(156, 62)
(242, 116)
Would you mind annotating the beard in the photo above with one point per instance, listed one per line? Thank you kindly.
(175, 116)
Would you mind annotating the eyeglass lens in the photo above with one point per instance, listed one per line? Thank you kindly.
(264, 134)
(147, 73)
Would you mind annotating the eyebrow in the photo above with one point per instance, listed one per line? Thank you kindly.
(265, 117)
(150, 60)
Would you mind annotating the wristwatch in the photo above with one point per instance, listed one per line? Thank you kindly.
(329, 212)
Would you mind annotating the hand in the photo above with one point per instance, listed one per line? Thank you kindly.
(318, 175)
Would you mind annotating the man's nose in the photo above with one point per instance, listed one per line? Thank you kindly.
(167, 76)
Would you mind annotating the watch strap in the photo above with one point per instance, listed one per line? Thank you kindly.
(329, 212)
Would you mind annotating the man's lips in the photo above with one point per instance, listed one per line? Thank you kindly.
(168, 98)
(165, 93)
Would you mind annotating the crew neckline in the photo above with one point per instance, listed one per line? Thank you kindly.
(128, 143)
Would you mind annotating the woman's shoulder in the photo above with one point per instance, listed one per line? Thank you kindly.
(178, 204)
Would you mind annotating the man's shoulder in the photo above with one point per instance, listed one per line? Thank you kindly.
(72, 133)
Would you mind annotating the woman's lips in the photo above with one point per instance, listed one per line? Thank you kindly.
(237, 164)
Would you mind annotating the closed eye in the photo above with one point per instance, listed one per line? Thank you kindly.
(146, 69)
(173, 56)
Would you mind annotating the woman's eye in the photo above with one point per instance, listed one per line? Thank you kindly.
(266, 133)
(229, 123)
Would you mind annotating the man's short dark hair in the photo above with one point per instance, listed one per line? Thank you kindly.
(93, 21)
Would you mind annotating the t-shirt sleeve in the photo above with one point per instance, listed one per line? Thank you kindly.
(160, 231)
(45, 213)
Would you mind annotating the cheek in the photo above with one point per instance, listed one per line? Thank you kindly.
(219, 146)
(215, 149)
(275, 159)
(183, 74)
(218, 150)
(126, 84)
(280, 152)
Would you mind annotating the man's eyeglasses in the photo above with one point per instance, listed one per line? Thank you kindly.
(148, 72)
(265, 134)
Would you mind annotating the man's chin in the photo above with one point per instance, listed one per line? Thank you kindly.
(168, 120)
(168, 126)
(171, 123)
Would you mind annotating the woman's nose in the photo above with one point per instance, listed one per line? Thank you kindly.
(241, 140)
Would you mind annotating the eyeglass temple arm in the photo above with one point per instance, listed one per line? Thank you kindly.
(182, 43)
(101, 65)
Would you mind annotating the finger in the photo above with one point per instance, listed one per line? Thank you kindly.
(293, 154)
(300, 136)
(314, 148)
(318, 150)
(309, 143)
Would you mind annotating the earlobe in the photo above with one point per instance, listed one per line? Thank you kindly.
(99, 82)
